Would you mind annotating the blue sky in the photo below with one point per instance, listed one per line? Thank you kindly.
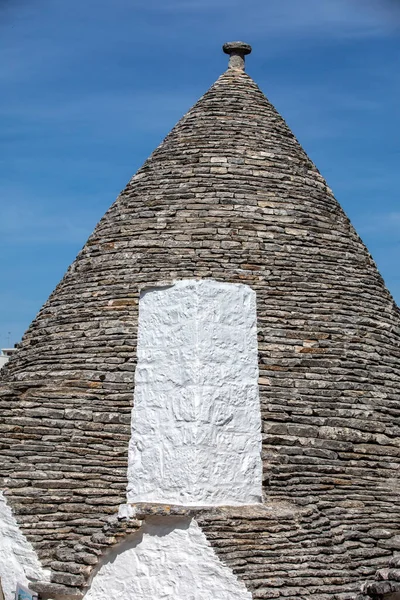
(90, 88)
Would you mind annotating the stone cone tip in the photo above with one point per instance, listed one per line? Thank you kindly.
(237, 51)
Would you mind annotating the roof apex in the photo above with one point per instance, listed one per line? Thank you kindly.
(237, 52)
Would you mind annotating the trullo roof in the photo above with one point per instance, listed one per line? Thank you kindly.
(229, 195)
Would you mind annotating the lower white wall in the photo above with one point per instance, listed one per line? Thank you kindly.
(18, 560)
(168, 559)
(196, 425)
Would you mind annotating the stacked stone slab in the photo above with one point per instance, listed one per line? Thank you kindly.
(229, 195)
(386, 583)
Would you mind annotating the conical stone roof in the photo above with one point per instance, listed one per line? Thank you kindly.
(229, 195)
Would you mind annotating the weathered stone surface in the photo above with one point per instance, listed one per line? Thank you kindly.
(229, 195)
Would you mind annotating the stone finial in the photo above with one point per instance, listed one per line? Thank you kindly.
(237, 51)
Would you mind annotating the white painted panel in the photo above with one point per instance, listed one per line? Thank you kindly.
(18, 560)
(196, 427)
(166, 562)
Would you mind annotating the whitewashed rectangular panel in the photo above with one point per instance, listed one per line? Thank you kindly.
(196, 427)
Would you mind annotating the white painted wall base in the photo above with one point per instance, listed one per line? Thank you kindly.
(196, 425)
(18, 560)
(168, 559)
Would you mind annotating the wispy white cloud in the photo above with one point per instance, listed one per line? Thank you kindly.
(320, 110)
(28, 221)
(90, 88)
(333, 18)
(381, 233)
(101, 28)
(130, 110)
(382, 224)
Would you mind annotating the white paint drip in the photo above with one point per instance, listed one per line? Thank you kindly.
(165, 562)
(196, 426)
(18, 560)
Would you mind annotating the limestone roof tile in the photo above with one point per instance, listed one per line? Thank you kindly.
(231, 195)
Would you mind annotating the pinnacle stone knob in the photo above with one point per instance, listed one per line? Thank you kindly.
(237, 51)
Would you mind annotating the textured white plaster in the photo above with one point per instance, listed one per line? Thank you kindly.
(18, 560)
(165, 561)
(196, 426)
